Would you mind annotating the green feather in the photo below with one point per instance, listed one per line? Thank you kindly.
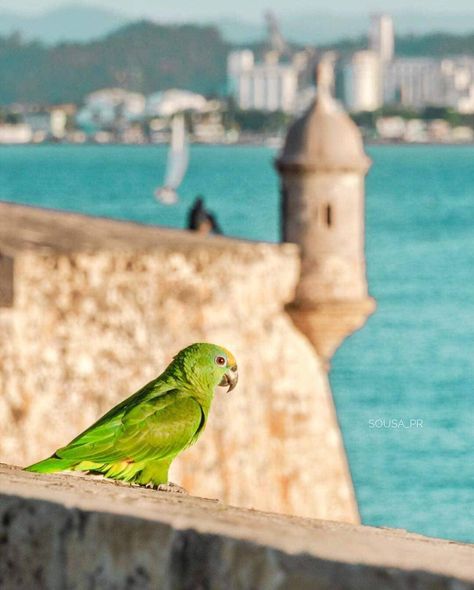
(137, 440)
(51, 465)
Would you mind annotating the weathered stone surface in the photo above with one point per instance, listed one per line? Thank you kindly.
(60, 532)
(100, 307)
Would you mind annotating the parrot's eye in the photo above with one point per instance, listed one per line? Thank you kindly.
(220, 360)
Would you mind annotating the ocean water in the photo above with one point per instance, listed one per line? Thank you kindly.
(404, 384)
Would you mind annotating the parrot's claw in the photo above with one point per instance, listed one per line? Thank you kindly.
(170, 487)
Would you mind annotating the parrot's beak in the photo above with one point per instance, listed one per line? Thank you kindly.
(230, 378)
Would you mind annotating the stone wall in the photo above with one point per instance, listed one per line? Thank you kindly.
(100, 307)
(61, 532)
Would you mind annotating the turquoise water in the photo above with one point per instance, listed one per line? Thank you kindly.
(414, 360)
(119, 181)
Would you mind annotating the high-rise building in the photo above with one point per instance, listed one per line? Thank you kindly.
(382, 37)
(363, 82)
(279, 81)
(414, 82)
(418, 82)
(375, 77)
(267, 86)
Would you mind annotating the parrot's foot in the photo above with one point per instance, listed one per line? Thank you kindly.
(168, 487)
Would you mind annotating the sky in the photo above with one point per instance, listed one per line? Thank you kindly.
(244, 9)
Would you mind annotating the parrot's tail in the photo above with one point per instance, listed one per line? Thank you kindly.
(51, 465)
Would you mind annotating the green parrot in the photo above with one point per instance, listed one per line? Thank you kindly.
(137, 440)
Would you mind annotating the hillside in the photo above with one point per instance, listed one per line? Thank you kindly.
(142, 56)
(148, 57)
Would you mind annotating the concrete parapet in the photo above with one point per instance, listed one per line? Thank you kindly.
(62, 532)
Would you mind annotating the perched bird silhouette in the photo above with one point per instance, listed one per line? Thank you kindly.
(202, 220)
(137, 440)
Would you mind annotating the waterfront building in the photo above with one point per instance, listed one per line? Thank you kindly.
(268, 85)
(414, 82)
(382, 37)
(374, 77)
(363, 81)
(418, 82)
(462, 134)
(279, 81)
(416, 131)
(458, 73)
(209, 127)
(391, 128)
(170, 102)
(105, 108)
(12, 134)
(364, 73)
(47, 123)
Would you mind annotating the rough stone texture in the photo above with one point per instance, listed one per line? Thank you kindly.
(62, 532)
(99, 309)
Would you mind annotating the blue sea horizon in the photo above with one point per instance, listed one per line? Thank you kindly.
(404, 384)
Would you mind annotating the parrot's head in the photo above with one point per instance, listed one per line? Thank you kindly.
(208, 364)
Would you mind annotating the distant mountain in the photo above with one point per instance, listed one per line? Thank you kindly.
(76, 22)
(142, 56)
(68, 23)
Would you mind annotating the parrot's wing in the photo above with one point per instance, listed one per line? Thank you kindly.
(151, 391)
(153, 429)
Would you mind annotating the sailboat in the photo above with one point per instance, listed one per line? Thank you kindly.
(178, 158)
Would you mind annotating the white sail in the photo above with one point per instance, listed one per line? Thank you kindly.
(178, 159)
(178, 155)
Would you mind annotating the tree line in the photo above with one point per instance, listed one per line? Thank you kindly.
(142, 57)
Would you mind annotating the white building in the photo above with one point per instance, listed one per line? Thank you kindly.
(47, 123)
(266, 86)
(382, 37)
(363, 82)
(413, 82)
(58, 123)
(169, 102)
(104, 107)
(375, 77)
(420, 82)
(15, 134)
(458, 75)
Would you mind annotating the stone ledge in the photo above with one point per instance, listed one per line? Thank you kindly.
(68, 532)
(24, 227)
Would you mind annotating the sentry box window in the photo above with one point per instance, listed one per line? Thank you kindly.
(6, 281)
